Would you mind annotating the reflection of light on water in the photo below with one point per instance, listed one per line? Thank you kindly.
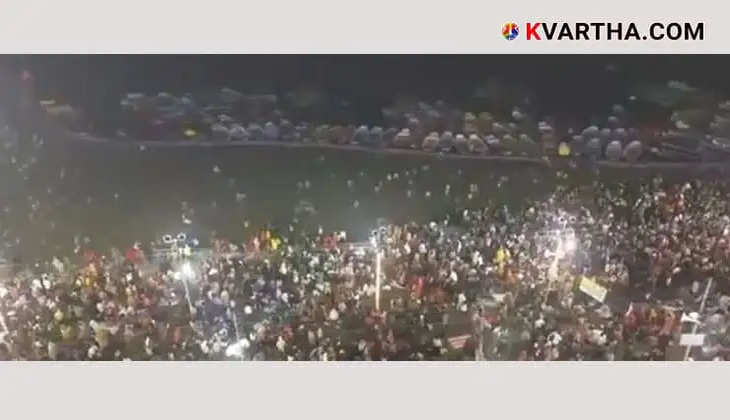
(334, 201)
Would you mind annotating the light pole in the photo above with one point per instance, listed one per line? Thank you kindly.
(377, 280)
(3, 324)
(696, 325)
(375, 241)
(232, 314)
(186, 273)
(565, 247)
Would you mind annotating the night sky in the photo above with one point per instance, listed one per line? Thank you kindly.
(563, 83)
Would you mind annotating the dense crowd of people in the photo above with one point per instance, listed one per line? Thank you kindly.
(496, 283)
(608, 271)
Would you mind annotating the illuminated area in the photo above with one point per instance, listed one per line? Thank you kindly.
(187, 270)
(232, 224)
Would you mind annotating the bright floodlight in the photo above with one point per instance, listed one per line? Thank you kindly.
(570, 244)
(187, 270)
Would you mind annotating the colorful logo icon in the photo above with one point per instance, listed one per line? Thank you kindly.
(510, 31)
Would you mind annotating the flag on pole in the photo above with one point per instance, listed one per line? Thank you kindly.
(692, 340)
(457, 342)
(590, 287)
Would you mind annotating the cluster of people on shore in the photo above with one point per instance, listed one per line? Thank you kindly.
(496, 283)
(695, 129)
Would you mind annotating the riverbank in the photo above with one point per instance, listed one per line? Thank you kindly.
(540, 161)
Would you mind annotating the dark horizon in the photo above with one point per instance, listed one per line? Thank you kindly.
(562, 83)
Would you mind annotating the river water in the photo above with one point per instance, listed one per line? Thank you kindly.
(115, 195)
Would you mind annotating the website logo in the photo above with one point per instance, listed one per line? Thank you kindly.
(610, 31)
(510, 31)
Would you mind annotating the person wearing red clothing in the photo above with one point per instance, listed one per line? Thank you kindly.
(135, 255)
(329, 242)
(418, 286)
(90, 256)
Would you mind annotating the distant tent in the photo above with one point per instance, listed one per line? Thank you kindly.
(255, 131)
(476, 144)
(361, 135)
(613, 150)
(238, 132)
(403, 139)
(494, 144)
(431, 142)
(593, 148)
(564, 149)
(446, 141)
(577, 145)
(460, 144)
(633, 151)
(220, 132)
(271, 131)
(375, 137)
